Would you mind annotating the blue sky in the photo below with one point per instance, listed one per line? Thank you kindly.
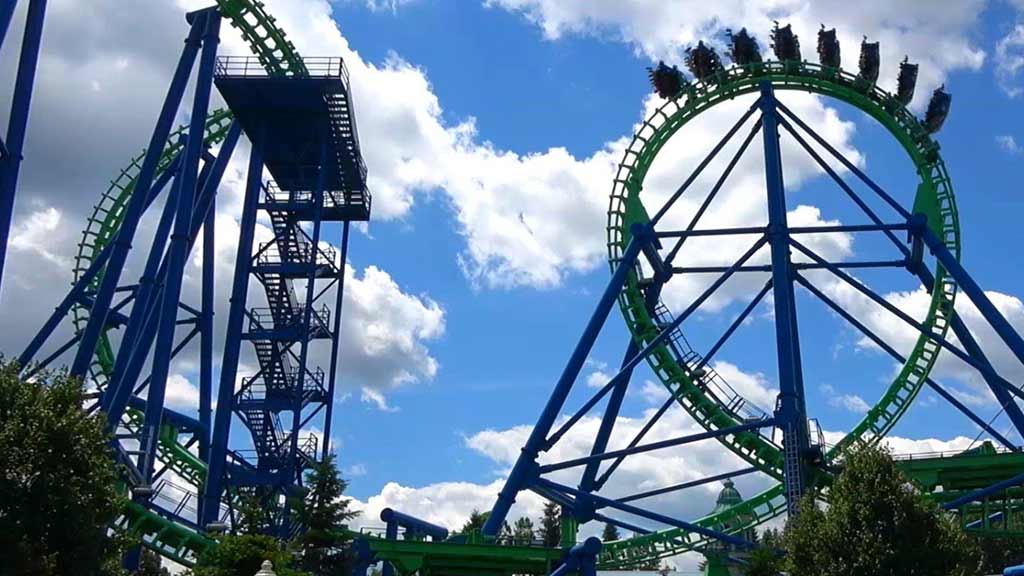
(490, 130)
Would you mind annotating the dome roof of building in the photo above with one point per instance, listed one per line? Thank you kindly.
(728, 497)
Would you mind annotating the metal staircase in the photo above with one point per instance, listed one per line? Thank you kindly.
(276, 332)
(304, 133)
(704, 375)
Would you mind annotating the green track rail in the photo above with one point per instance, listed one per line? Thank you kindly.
(280, 58)
(946, 477)
(934, 197)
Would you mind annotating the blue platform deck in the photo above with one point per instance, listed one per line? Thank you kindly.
(288, 113)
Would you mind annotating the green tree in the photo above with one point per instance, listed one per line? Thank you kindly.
(242, 555)
(999, 552)
(876, 524)
(771, 538)
(150, 565)
(251, 512)
(522, 532)
(764, 561)
(324, 546)
(610, 533)
(58, 481)
(550, 531)
(476, 521)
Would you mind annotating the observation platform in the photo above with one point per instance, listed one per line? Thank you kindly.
(287, 113)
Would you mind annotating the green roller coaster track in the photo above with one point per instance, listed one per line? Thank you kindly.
(934, 197)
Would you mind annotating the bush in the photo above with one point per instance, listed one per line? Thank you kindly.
(58, 481)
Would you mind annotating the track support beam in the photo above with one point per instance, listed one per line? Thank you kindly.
(790, 412)
(21, 102)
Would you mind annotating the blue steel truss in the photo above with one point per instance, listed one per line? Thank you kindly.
(13, 144)
(303, 131)
(802, 451)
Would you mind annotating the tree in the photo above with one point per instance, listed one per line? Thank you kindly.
(150, 565)
(476, 521)
(522, 532)
(324, 546)
(610, 533)
(999, 552)
(876, 524)
(771, 538)
(242, 555)
(58, 481)
(764, 561)
(550, 531)
(251, 512)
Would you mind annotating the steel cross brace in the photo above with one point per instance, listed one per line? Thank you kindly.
(143, 183)
(527, 461)
(85, 280)
(602, 502)
(880, 342)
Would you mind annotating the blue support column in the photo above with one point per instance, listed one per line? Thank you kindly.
(526, 466)
(124, 383)
(206, 334)
(581, 559)
(390, 533)
(141, 308)
(335, 342)
(179, 245)
(217, 463)
(790, 415)
(307, 312)
(618, 394)
(20, 104)
(611, 412)
(133, 211)
(6, 15)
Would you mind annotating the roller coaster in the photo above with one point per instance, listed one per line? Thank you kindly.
(187, 476)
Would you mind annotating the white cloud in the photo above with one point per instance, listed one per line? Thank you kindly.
(447, 504)
(1008, 143)
(36, 235)
(972, 389)
(598, 378)
(387, 5)
(181, 394)
(528, 219)
(385, 331)
(375, 398)
(1010, 60)
(850, 402)
(653, 392)
(753, 387)
(900, 445)
(354, 470)
(935, 34)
